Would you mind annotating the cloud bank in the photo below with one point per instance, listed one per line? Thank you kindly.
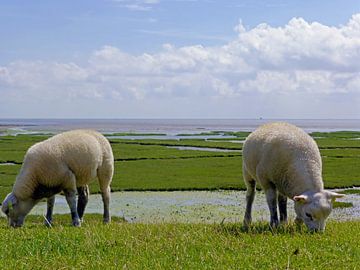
(298, 63)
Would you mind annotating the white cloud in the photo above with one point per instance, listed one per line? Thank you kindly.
(138, 5)
(298, 59)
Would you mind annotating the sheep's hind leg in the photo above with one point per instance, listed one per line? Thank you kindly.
(282, 203)
(250, 195)
(83, 198)
(106, 201)
(49, 212)
(105, 173)
(271, 198)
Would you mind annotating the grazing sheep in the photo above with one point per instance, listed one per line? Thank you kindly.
(286, 162)
(66, 162)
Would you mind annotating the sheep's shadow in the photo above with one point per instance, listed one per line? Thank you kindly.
(237, 229)
(62, 220)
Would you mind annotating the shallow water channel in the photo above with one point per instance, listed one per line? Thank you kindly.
(208, 149)
(190, 206)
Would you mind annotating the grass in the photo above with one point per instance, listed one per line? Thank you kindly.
(151, 165)
(121, 245)
(351, 191)
(342, 204)
(337, 134)
(341, 153)
(136, 151)
(341, 172)
(337, 143)
(178, 174)
(220, 144)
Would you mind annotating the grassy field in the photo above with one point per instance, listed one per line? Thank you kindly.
(152, 165)
(121, 245)
(149, 164)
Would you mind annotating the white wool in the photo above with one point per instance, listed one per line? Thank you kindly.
(48, 163)
(283, 155)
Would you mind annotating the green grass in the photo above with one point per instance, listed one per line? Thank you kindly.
(351, 191)
(342, 205)
(337, 134)
(122, 245)
(337, 143)
(183, 142)
(341, 153)
(178, 174)
(341, 172)
(135, 151)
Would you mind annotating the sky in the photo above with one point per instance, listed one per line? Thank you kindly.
(180, 59)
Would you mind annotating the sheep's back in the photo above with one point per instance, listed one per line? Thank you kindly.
(281, 152)
(79, 151)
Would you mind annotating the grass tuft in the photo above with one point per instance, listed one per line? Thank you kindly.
(342, 204)
(351, 191)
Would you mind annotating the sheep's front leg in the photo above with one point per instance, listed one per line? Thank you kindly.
(271, 198)
(83, 198)
(49, 212)
(70, 196)
(282, 202)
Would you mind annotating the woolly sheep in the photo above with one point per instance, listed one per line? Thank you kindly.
(286, 162)
(66, 162)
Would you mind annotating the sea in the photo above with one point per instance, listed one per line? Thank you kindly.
(170, 127)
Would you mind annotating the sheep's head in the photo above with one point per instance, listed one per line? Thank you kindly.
(16, 210)
(314, 208)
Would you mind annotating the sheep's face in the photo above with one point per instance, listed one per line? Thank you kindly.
(314, 208)
(16, 210)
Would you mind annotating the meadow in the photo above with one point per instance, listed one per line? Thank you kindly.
(121, 245)
(146, 164)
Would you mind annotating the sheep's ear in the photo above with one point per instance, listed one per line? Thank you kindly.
(333, 195)
(10, 206)
(10, 200)
(301, 198)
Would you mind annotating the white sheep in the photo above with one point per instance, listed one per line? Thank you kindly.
(65, 162)
(286, 162)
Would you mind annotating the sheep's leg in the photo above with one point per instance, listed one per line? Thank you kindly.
(250, 195)
(83, 198)
(106, 201)
(49, 212)
(70, 196)
(282, 202)
(271, 198)
(105, 173)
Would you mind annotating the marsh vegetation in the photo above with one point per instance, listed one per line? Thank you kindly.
(149, 164)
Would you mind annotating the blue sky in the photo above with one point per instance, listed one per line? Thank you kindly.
(180, 59)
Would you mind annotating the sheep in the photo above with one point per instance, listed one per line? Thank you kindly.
(286, 162)
(65, 162)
